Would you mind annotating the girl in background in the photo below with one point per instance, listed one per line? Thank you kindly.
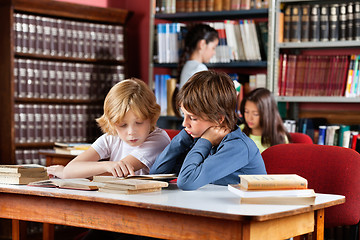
(200, 44)
(262, 121)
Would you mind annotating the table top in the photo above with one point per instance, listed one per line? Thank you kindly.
(210, 200)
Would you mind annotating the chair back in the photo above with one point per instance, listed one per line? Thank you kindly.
(172, 132)
(328, 169)
(297, 137)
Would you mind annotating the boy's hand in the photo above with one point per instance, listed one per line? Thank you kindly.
(215, 134)
(119, 168)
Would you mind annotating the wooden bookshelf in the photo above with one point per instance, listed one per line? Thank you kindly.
(99, 67)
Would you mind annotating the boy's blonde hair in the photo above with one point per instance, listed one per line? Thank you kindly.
(128, 94)
(210, 95)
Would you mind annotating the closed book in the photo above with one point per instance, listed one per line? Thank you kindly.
(315, 23)
(295, 25)
(349, 21)
(218, 5)
(75, 183)
(357, 21)
(342, 22)
(8, 179)
(235, 4)
(290, 197)
(324, 23)
(305, 22)
(164, 177)
(273, 182)
(287, 23)
(24, 169)
(334, 22)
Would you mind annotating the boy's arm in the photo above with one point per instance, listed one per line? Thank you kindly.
(173, 154)
(200, 168)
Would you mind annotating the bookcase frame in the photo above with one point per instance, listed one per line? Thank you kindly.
(276, 47)
(53, 9)
(206, 16)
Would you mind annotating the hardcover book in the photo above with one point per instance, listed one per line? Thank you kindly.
(273, 182)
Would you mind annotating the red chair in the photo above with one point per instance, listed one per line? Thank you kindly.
(300, 138)
(172, 132)
(328, 169)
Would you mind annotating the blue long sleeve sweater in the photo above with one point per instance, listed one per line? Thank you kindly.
(197, 163)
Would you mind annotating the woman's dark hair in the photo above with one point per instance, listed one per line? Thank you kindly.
(195, 33)
(273, 130)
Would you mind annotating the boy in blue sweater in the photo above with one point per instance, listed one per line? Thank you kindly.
(211, 148)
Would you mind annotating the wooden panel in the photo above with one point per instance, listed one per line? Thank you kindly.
(117, 218)
(282, 228)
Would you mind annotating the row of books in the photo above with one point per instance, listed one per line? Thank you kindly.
(320, 22)
(175, 6)
(242, 40)
(309, 75)
(288, 189)
(55, 123)
(29, 156)
(165, 87)
(60, 37)
(64, 80)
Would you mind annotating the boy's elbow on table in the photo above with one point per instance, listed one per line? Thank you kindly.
(185, 185)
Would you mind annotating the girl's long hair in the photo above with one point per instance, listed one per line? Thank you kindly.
(273, 129)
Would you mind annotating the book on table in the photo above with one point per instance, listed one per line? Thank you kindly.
(284, 197)
(22, 174)
(273, 182)
(128, 186)
(71, 183)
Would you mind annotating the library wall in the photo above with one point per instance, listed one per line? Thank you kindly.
(138, 32)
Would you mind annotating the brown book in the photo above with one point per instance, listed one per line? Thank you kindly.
(180, 6)
(170, 86)
(273, 182)
(281, 27)
(196, 5)
(75, 183)
(226, 5)
(8, 179)
(25, 168)
(210, 5)
(283, 197)
(189, 6)
(202, 5)
(235, 4)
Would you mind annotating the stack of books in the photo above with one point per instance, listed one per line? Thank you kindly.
(288, 189)
(22, 174)
(71, 148)
(111, 184)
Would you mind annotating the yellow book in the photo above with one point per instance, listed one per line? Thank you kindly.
(273, 181)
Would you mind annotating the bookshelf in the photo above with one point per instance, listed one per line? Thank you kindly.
(58, 62)
(327, 45)
(238, 66)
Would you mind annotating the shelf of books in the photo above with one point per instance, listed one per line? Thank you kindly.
(59, 61)
(316, 51)
(243, 44)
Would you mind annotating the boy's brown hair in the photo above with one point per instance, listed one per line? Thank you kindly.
(128, 94)
(210, 95)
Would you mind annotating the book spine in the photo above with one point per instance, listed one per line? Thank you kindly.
(305, 22)
(342, 22)
(287, 23)
(324, 23)
(295, 25)
(349, 21)
(315, 23)
(357, 21)
(334, 22)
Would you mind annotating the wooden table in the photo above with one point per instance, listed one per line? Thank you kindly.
(53, 158)
(211, 212)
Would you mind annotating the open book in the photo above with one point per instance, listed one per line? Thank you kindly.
(127, 186)
(75, 183)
